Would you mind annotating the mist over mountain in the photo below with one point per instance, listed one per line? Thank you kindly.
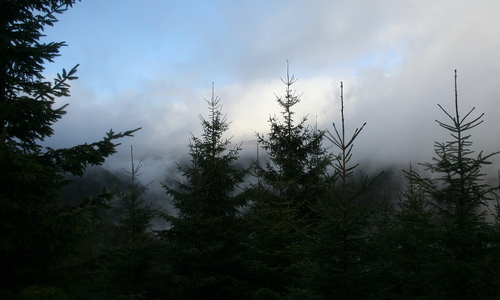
(249, 149)
(154, 173)
(154, 64)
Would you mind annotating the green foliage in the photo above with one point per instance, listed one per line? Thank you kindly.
(412, 244)
(23, 93)
(297, 160)
(341, 260)
(41, 240)
(204, 238)
(467, 242)
(43, 293)
(127, 251)
(275, 244)
(311, 230)
(279, 216)
(137, 217)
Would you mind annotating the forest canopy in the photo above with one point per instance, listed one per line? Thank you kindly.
(302, 220)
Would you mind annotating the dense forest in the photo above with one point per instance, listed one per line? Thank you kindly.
(302, 220)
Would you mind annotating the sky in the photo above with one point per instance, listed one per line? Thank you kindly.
(151, 64)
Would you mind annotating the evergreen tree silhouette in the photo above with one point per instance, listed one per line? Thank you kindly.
(205, 235)
(43, 244)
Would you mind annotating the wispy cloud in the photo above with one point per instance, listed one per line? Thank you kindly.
(150, 64)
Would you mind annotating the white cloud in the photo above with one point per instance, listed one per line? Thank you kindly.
(396, 60)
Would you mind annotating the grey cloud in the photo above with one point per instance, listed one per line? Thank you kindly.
(396, 61)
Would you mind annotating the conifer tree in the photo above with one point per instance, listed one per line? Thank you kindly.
(275, 243)
(132, 260)
(137, 217)
(412, 244)
(205, 235)
(460, 195)
(287, 185)
(39, 237)
(341, 258)
(297, 159)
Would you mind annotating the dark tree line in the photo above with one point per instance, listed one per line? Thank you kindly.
(306, 223)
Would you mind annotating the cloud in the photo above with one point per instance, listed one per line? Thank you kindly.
(396, 60)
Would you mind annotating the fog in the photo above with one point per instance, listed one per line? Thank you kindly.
(151, 64)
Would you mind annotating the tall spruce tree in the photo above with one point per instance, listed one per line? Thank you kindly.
(205, 236)
(341, 260)
(468, 242)
(39, 237)
(287, 185)
(297, 160)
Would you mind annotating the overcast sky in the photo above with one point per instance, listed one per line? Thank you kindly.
(150, 64)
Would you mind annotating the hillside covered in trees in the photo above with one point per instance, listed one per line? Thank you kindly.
(302, 220)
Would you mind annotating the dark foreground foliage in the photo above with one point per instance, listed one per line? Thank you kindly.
(303, 223)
